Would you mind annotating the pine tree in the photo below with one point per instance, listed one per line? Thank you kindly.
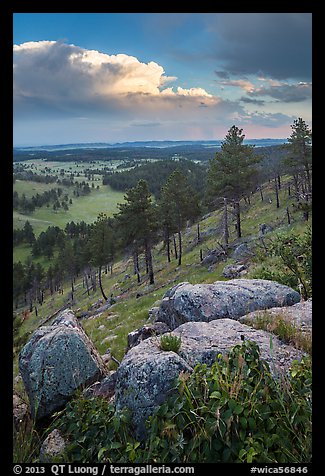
(101, 245)
(137, 222)
(299, 162)
(180, 204)
(231, 173)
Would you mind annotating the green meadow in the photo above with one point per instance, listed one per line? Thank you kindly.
(84, 208)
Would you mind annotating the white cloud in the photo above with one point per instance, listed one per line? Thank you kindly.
(56, 72)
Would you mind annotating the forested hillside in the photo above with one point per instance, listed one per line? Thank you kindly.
(179, 221)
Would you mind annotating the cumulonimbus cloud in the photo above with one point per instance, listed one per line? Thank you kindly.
(59, 76)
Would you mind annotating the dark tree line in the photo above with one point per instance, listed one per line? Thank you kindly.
(156, 175)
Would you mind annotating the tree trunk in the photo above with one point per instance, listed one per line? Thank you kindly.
(288, 216)
(308, 178)
(277, 193)
(149, 263)
(175, 247)
(279, 181)
(179, 247)
(238, 224)
(167, 240)
(136, 266)
(198, 233)
(86, 283)
(100, 283)
(225, 222)
(261, 192)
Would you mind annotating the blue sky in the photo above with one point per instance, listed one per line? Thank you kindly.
(114, 77)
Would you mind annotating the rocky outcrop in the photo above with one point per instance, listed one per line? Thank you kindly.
(234, 270)
(223, 299)
(145, 378)
(58, 360)
(53, 446)
(147, 375)
(214, 257)
(148, 330)
(242, 253)
(20, 411)
(300, 315)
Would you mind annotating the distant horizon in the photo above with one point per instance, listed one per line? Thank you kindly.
(90, 143)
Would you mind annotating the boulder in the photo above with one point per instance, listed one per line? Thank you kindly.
(58, 360)
(105, 388)
(233, 270)
(214, 257)
(300, 315)
(135, 337)
(53, 446)
(242, 252)
(147, 375)
(20, 411)
(223, 299)
(145, 378)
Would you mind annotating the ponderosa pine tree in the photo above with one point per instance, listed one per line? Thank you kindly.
(232, 173)
(180, 203)
(137, 222)
(299, 162)
(101, 245)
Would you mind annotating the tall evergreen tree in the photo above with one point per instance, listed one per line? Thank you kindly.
(138, 223)
(180, 204)
(299, 162)
(300, 150)
(232, 173)
(101, 245)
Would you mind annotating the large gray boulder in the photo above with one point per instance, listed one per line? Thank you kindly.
(223, 299)
(147, 375)
(145, 378)
(58, 360)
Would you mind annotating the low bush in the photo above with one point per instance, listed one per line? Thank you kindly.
(234, 411)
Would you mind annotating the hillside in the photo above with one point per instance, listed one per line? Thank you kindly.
(130, 311)
(108, 326)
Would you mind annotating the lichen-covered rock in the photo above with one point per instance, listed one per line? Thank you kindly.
(58, 360)
(214, 257)
(299, 315)
(147, 375)
(53, 446)
(20, 411)
(146, 331)
(145, 378)
(233, 270)
(223, 299)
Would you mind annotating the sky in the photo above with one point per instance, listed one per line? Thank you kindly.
(116, 77)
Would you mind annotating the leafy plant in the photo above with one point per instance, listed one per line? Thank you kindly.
(235, 411)
(97, 432)
(170, 342)
(294, 265)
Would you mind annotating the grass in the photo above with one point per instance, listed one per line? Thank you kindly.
(110, 329)
(284, 328)
(84, 208)
(130, 312)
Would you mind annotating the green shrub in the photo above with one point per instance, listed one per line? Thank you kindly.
(170, 342)
(294, 261)
(97, 432)
(236, 411)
